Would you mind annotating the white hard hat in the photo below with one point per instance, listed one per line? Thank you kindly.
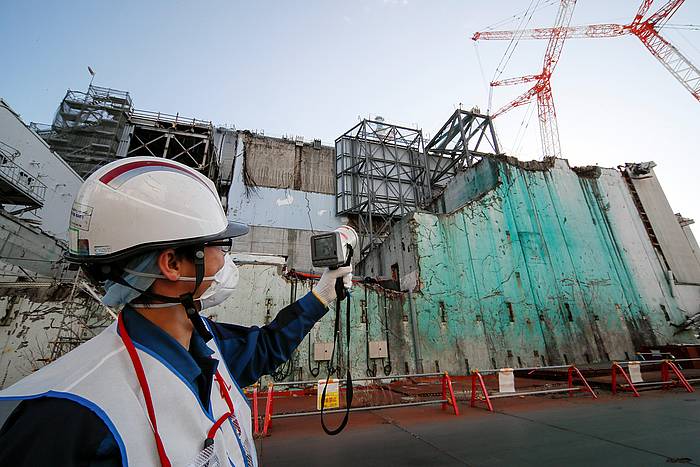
(140, 204)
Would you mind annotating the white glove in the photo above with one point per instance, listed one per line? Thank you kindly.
(325, 289)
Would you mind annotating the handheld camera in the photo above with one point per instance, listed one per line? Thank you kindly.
(334, 250)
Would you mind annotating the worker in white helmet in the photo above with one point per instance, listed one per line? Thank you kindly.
(161, 386)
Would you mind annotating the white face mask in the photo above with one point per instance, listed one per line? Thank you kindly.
(220, 289)
(223, 283)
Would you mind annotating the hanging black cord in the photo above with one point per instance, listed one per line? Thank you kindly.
(387, 367)
(341, 294)
(348, 384)
(314, 371)
(370, 372)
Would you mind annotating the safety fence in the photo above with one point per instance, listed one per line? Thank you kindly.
(670, 371)
(302, 398)
(496, 383)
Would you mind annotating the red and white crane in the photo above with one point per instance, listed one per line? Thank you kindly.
(542, 89)
(647, 30)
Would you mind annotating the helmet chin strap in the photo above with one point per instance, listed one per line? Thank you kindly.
(187, 300)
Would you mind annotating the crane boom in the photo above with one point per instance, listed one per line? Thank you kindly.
(670, 57)
(675, 62)
(593, 30)
(549, 130)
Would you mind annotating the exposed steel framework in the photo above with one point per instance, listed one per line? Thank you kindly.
(647, 30)
(381, 175)
(542, 89)
(464, 139)
(186, 140)
(96, 127)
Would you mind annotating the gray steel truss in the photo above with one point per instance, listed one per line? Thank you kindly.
(463, 140)
(381, 175)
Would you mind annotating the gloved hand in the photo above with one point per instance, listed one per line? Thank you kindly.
(325, 289)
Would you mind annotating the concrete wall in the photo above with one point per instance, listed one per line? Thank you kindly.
(62, 183)
(281, 219)
(30, 320)
(397, 250)
(674, 243)
(469, 185)
(550, 266)
(562, 253)
(31, 253)
(685, 224)
(293, 244)
(282, 163)
(263, 291)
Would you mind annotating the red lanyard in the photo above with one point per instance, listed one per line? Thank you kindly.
(143, 382)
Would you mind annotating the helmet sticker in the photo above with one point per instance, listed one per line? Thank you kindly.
(83, 246)
(80, 216)
(102, 250)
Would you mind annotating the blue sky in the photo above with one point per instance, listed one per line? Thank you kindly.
(311, 68)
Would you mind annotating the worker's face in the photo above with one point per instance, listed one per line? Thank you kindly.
(174, 267)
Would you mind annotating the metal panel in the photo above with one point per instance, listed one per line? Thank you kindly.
(323, 351)
(381, 175)
(378, 349)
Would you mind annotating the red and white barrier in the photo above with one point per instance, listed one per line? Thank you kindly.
(635, 379)
(506, 384)
(447, 400)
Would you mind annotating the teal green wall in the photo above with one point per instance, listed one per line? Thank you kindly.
(564, 250)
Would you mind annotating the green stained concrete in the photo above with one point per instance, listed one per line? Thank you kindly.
(532, 264)
(549, 266)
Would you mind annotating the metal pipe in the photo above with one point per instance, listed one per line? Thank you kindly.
(414, 330)
(361, 409)
(651, 383)
(496, 370)
(647, 362)
(529, 393)
(415, 375)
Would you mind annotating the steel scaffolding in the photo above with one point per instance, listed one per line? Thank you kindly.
(87, 127)
(381, 175)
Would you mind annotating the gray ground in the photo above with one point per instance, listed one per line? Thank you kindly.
(659, 428)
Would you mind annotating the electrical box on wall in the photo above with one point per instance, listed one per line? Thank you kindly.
(323, 351)
(378, 349)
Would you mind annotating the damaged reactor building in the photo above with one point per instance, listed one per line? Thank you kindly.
(468, 259)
